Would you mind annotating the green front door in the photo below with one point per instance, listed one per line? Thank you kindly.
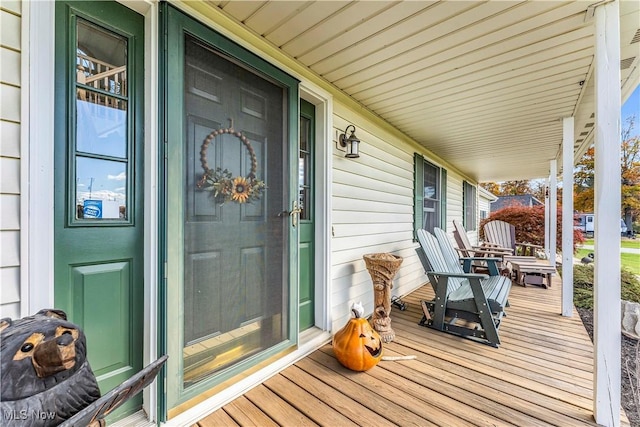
(305, 188)
(98, 184)
(230, 184)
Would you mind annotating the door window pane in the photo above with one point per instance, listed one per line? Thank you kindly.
(101, 191)
(101, 125)
(101, 59)
(304, 169)
(101, 131)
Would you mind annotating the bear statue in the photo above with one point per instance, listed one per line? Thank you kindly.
(45, 374)
(45, 377)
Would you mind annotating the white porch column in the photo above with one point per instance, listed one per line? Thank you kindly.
(547, 251)
(607, 216)
(567, 216)
(553, 210)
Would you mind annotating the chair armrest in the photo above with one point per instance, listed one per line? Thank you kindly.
(491, 263)
(481, 258)
(496, 247)
(491, 248)
(530, 245)
(460, 275)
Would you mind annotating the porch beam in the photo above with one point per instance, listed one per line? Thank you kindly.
(567, 216)
(553, 210)
(607, 216)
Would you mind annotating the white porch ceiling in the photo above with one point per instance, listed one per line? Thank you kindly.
(484, 85)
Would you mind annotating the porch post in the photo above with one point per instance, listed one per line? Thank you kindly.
(607, 197)
(553, 211)
(567, 216)
(547, 252)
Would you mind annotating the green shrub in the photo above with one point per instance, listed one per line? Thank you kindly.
(583, 286)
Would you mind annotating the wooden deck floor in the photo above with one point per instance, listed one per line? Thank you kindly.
(540, 375)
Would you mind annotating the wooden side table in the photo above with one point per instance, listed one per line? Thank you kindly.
(532, 273)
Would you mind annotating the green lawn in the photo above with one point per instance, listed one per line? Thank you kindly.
(624, 243)
(627, 261)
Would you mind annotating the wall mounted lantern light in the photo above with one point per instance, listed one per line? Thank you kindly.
(351, 143)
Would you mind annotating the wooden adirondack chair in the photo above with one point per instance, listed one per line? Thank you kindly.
(503, 234)
(467, 250)
(467, 304)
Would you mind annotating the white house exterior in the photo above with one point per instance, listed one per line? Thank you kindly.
(372, 203)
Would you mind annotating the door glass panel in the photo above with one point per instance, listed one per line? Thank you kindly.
(304, 169)
(100, 189)
(235, 292)
(101, 59)
(101, 124)
(101, 132)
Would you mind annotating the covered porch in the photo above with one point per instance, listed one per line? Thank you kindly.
(541, 375)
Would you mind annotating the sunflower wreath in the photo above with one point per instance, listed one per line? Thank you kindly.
(222, 184)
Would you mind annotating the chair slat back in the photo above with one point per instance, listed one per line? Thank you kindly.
(462, 240)
(448, 251)
(432, 250)
(437, 261)
(501, 233)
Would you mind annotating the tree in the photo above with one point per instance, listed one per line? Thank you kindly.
(583, 178)
(491, 187)
(630, 168)
(539, 189)
(514, 188)
(508, 188)
(629, 179)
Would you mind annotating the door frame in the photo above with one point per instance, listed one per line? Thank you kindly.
(322, 205)
(37, 238)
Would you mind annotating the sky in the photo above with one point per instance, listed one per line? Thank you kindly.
(632, 108)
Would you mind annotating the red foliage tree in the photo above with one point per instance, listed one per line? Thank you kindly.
(529, 224)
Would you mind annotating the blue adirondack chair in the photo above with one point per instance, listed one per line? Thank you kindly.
(467, 304)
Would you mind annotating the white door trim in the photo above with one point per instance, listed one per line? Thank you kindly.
(322, 186)
(37, 133)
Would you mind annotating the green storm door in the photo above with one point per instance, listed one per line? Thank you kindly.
(229, 234)
(98, 184)
(306, 171)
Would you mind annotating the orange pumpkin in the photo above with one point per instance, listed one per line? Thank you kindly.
(357, 346)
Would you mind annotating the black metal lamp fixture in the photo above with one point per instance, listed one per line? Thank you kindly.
(351, 143)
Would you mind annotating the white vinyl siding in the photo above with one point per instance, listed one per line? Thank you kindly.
(372, 211)
(454, 201)
(10, 41)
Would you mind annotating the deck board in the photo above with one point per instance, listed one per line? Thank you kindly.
(245, 413)
(542, 374)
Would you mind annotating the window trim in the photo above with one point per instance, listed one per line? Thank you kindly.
(469, 217)
(418, 185)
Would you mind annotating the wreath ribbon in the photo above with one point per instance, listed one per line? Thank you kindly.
(225, 187)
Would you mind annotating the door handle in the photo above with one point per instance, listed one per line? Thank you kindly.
(295, 213)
